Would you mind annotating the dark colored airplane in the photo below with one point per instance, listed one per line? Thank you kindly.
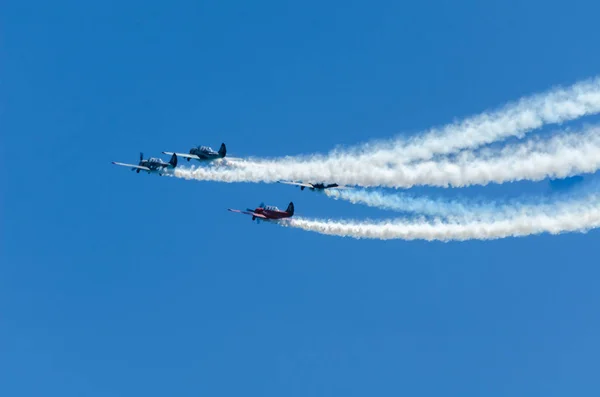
(204, 153)
(315, 186)
(267, 213)
(151, 165)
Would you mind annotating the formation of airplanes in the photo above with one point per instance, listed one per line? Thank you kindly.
(206, 154)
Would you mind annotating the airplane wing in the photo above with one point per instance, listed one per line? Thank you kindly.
(139, 167)
(248, 213)
(297, 184)
(238, 211)
(184, 155)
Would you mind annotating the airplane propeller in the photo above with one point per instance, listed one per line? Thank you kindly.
(141, 156)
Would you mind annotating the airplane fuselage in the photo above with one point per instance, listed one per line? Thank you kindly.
(205, 154)
(267, 213)
(271, 214)
(320, 186)
(154, 164)
(151, 165)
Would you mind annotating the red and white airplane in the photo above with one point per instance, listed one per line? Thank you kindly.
(267, 213)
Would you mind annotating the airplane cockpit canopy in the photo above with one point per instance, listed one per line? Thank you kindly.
(271, 208)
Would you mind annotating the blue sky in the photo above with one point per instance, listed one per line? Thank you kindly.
(113, 284)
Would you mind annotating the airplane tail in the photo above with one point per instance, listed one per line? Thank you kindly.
(173, 160)
(223, 150)
(290, 209)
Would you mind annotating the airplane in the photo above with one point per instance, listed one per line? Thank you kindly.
(151, 165)
(203, 153)
(315, 186)
(267, 213)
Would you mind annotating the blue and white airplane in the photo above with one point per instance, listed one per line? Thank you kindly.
(151, 165)
(203, 153)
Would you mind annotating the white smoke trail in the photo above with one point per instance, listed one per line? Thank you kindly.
(561, 156)
(467, 210)
(515, 119)
(580, 219)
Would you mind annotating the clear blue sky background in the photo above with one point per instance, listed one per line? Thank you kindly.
(116, 284)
